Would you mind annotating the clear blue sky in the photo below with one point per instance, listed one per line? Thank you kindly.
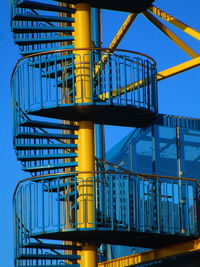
(179, 95)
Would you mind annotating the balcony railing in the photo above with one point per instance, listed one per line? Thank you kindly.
(122, 201)
(51, 79)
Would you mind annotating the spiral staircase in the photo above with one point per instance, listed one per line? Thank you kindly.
(47, 110)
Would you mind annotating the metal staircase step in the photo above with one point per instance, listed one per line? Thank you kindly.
(48, 256)
(50, 167)
(50, 61)
(47, 156)
(48, 125)
(52, 246)
(34, 51)
(29, 29)
(52, 265)
(71, 195)
(43, 6)
(55, 176)
(68, 79)
(59, 187)
(58, 72)
(46, 135)
(43, 40)
(44, 146)
(32, 17)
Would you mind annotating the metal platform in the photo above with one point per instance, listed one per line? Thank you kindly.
(120, 5)
(119, 115)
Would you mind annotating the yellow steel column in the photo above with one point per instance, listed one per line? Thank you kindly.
(86, 156)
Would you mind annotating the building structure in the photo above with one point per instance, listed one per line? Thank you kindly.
(75, 202)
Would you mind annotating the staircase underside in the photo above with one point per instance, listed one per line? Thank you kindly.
(129, 116)
(120, 5)
(119, 238)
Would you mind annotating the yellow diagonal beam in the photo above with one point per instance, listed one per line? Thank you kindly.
(178, 69)
(170, 34)
(122, 31)
(117, 39)
(160, 76)
(153, 255)
(177, 23)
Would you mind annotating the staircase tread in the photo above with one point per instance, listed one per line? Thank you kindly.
(61, 186)
(30, 29)
(44, 146)
(46, 135)
(52, 265)
(43, 40)
(58, 69)
(51, 60)
(51, 246)
(47, 256)
(50, 167)
(49, 125)
(32, 51)
(69, 195)
(43, 6)
(47, 156)
(30, 17)
(55, 176)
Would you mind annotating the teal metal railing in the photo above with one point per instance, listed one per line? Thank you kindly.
(47, 80)
(132, 202)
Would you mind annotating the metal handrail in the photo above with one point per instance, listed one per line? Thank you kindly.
(80, 49)
(123, 172)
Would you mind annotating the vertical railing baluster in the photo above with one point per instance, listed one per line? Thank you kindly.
(43, 207)
(58, 203)
(125, 81)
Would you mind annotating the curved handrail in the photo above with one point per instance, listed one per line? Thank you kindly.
(123, 172)
(80, 49)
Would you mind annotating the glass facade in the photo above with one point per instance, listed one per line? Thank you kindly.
(164, 148)
(169, 147)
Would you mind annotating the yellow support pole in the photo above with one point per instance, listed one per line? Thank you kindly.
(86, 156)
(89, 256)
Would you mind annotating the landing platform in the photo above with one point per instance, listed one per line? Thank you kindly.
(136, 6)
(117, 115)
(137, 239)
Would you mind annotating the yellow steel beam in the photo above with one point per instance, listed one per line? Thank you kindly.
(153, 255)
(118, 37)
(178, 69)
(177, 23)
(170, 34)
(160, 76)
(122, 31)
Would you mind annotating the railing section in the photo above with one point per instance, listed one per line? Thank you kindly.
(129, 203)
(49, 79)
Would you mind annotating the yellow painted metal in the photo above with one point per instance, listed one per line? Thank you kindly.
(118, 37)
(153, 255)
(178, 69)
(82, 61)
(179, 24)
(195, 62)
(170, 34)
(86, 155)
(86, 163)
(122, 31)
(89, 256)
